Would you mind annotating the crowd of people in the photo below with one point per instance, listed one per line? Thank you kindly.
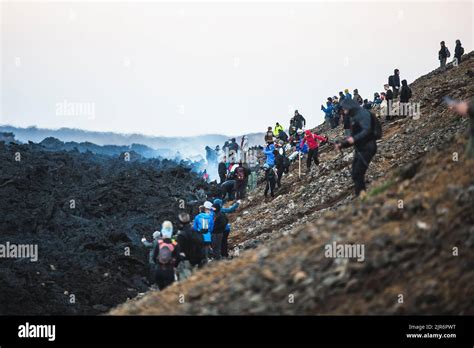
(205, 238)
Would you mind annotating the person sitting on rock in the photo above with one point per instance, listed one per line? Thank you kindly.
(165, 256)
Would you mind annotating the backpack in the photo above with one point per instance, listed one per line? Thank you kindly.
(462, 51)
(165, 255)
(376, 126)
(240, 173)
(448, 54)
(390, 80)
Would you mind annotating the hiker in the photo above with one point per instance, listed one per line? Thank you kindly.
(394, 82)
(367, 105)
(389, 100)
(244, 144)
(205, 175)
(151, 245)
(228, 190)
(312, 140)
(347, 95)
(443, 55)
(282, 165)
(269, 136)
(203, 224)
(377, 99)
(336, 111)
(357, 97)
(222, 170)
(219, 226)
(405, 95)
(363, 139)
(341, 97)
(299, 120)
(225, 235)
(241, 178)
(165, 255)
(465, 108)
(328, 111)
(270, 179)
(277, 129)
(190, 242)
(283, 136)
(458, 51)
(268, 151)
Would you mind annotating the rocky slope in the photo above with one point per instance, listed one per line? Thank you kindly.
(87, 214)
(416, 225)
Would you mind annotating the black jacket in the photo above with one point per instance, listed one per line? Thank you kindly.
(458, 51)
(394, 81)
(443, 52)
(190, 243)
(279, 162)
(405, 93)
(222, 169)
(220, 222)
(300, 121)
(361, 124)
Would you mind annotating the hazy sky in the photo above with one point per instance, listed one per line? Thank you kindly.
(162, 68)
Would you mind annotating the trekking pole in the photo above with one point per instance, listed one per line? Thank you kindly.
(299, 165)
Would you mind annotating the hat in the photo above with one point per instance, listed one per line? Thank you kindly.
(167, 229)
(156, 234)
(346, 90)
(208, 205)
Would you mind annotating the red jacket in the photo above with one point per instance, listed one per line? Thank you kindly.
(310, 138)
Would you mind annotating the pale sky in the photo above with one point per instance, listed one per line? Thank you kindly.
(162, 68)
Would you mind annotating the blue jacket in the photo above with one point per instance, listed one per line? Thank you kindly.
(329, 110)
(204, 221)
(231, 209)
(270, 156)
(348, 96)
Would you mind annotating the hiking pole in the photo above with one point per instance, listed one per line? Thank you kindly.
(299, 165)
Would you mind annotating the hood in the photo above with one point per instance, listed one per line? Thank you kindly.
(351, 105)
(307, 132)
(404, 83)
(218, 202)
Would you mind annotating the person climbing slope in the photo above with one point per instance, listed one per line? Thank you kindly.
(225, 235)
(364, 141)
(270, 179)
(203, 223)
(219, 227)
(165, 256)
(313, 144)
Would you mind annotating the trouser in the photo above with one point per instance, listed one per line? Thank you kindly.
(312, 156)
(164, 276)
(360, 164)
(240, 187)
(395, 92)
(442, 62)
(206, 249)
(279, 175)
(184, 270)
(216, 245)
(225, 245)
(222, 178)
(270, 185)
(458, 59)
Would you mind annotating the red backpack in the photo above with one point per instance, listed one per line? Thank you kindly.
(165, 255)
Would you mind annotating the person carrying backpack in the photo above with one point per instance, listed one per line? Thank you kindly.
(225, 235)
(299, 120)
(313, 145)
(268, 151)
(165, 256)
(241, 177)
(222, 170)
(458, 51)
(219, 227)
(270, 179)
(394, 82)
(365, 131)
(277, 129)
(443, 54)
(203, 223)
(357, 97)
(269, 136)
